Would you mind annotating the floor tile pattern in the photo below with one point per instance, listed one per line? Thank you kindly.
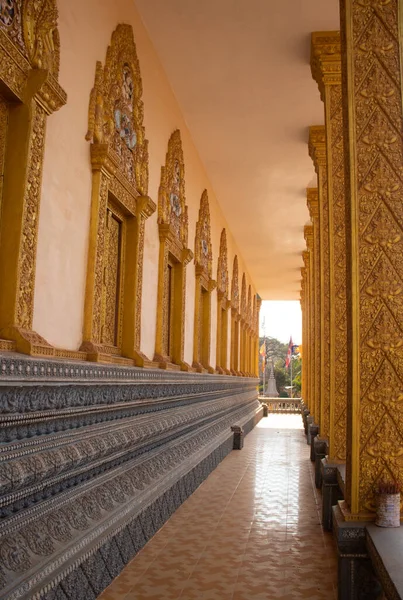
(251, 531)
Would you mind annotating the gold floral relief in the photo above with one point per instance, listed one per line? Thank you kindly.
(235, 318)
(3, 139)
(173, 257)
(29, 66)
(223, 305)
(120, 206)
(204, 286)
(374, 154)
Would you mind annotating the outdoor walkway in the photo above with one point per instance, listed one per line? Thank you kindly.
(251, 531)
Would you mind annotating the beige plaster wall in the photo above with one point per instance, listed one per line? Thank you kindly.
(85, 30)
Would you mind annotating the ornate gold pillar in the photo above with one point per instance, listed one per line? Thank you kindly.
(372, 89)
(309, 238)
(303, 311)
(313, 206)
(306, 343)
(223, 306)
(30, 92)
(326, 70)
(317, 151)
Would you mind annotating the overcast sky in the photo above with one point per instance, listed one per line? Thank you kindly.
(281, 319)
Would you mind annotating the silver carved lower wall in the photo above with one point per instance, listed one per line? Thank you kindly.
(94, 459)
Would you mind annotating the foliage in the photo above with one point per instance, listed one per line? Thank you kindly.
(277, 351)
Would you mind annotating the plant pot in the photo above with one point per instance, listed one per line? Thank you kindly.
(388, 510)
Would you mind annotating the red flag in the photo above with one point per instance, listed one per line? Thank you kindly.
(289, 352)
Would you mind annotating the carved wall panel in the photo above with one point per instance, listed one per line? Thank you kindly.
(204, 286)
(223, 306)
(309, 258)
(326, 70)
(173, 258)
(29, 67)
(235, 318)
(120, 206)
(372, 82)
(317, 151)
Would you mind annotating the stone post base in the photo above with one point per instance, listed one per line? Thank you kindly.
(305, 415)
(309, 422)
(331, 493)
(313, 432)
(320, 450)
(356, 577)
(238, 437)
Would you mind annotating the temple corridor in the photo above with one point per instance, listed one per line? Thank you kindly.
(250, 531)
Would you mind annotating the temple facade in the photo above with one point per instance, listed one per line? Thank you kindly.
(129, 308)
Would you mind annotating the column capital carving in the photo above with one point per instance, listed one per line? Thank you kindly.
(312, 200)
(326, 59)
(308, 235)
(317, 146)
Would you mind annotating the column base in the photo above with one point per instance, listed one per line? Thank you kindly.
(27, 341)
(321, 446)
(313, 432)
(356, 577)
(309, 422)
(238, 437)
(331, 493)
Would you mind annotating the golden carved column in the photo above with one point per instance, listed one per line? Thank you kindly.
(306, 344)
(313, 206)
(372, 88)
(304, 334)
(29, 59)
(223, 306)
(326, 70)
(257, 321)
(243, 325)
(317, 151)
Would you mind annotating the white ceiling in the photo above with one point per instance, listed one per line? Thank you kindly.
(240, 71)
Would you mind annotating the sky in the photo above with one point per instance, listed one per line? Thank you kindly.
(281, 319)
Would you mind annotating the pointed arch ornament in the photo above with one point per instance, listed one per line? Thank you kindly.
(30, 92)
(223, 306)
(204, 286)
(235, 318)
(119, 206)
(174, 256)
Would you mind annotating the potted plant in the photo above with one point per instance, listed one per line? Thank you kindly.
(388, 504)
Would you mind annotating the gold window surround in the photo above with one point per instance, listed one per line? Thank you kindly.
(204, 285)
(223, 306)
(30, 92)
(119, 158)
(235, 319)
(174, 255)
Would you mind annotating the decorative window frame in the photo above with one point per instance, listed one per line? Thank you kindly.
(204, 285)
(119, 172)
(243, 325)
(29, 71)
(235, 320)
(223, 306)
(174, 253)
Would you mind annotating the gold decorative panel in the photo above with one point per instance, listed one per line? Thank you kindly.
(120, 206)
(173, 258)
(223, 306)
(326, 70)
(29, 66)
(317, 151)
(372, 84)
(235, 318)
(4, 108)
(204, 286)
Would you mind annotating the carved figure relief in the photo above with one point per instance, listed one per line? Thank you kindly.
(204, 286)
(173, 258)
(235, 318)
(29, 41)
(119, 156)
(223, 306)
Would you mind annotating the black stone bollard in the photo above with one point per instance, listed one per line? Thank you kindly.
(238, 437)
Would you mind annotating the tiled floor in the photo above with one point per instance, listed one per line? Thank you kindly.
(251, 531)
